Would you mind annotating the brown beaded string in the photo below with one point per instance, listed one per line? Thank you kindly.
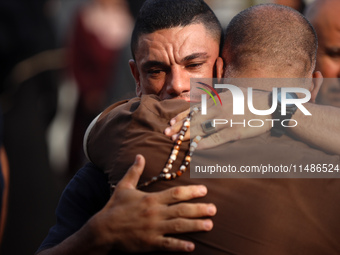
(165, 173)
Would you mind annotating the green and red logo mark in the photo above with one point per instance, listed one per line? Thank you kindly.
(209, 93)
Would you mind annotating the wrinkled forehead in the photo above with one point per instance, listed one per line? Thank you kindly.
(177, 41)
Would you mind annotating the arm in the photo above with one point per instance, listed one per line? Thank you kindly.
(136, 221)
(320, 130)
(223, 132)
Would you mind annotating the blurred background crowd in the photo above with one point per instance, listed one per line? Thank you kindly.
(62, 62)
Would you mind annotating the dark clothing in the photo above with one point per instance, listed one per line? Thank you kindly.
(254, 216)
(253, 206)
(126, 124)
(84, 196)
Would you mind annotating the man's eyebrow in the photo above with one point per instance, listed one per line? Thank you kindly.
(155, 63)
(193, 56)
(152, 63)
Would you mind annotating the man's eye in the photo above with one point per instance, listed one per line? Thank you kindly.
(333, 53)
(194, 65)
(156, 71)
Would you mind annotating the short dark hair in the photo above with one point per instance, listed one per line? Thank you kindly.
(270, 36)
(162, 14)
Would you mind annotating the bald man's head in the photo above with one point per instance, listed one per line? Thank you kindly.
(270, 38)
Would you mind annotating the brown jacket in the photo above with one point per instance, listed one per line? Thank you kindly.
(255, 216)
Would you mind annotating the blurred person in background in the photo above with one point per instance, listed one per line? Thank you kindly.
(324, 16)
(98, 44)
(30, 64)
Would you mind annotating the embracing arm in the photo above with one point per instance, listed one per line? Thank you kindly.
(320, 130)
(135, 221)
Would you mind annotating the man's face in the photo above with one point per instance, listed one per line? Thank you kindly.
(327, 25)
(168, 58)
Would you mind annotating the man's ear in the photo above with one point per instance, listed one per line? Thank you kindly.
(135, 74)
(219, 67)
(317, 82)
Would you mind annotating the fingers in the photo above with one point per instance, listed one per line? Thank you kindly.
(220, 137)
(196, 129)
(174, 130)
(180, 193)
(190, 211)
(176, 125)
(231, 134)
(179, 225)
(214, 113)
(173, 244)
(179, 117)
(132, 176)
(195, 126)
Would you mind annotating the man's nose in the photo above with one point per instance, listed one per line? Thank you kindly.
(178, 82)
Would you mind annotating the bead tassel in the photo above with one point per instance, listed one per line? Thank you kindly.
(165, 174)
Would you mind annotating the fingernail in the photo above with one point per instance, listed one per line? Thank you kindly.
(137, 158)
(208, 225)
(211, 210)
(190, 247)
(172, 122)
(203, 190)
(174, 137)
(167, 131)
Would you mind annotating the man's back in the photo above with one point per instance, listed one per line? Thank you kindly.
(255, 216)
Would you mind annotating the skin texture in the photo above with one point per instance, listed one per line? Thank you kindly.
(327, 25)
(168, 58)
(150, 217)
